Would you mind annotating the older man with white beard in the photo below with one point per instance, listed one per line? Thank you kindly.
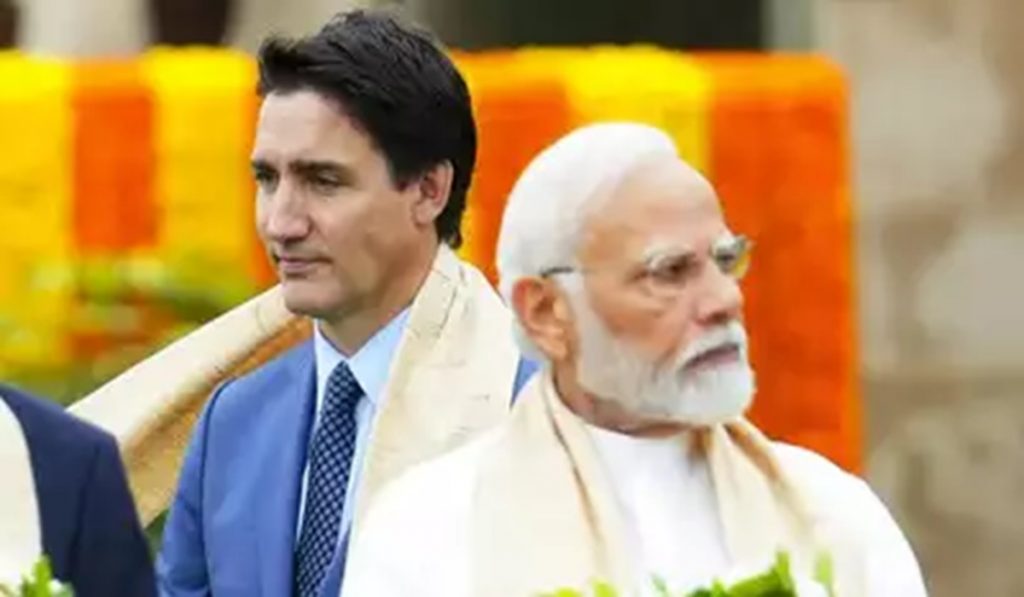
(628, 456)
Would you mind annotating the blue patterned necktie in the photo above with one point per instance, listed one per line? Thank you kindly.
(330, 461)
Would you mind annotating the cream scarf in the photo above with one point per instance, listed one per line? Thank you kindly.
(20, 541)
(452, 376)
(545, 515)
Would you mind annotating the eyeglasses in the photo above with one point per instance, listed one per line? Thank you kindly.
(669, 272)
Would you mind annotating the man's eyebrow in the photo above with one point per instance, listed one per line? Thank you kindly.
(261, 165)
(661, 252)
(320, 167)
(315, 165)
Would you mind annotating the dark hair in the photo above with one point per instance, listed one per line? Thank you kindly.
(397, 83)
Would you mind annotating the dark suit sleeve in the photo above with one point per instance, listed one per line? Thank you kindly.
(181, 565)
(111, 557)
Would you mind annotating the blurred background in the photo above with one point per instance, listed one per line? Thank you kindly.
(934, 100)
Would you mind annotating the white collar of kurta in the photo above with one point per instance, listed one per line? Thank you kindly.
(623, 454)
(20, 542)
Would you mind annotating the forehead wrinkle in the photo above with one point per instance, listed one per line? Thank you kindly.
(648, 236)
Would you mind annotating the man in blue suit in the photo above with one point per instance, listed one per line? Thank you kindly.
(88, 524)
(363, 155)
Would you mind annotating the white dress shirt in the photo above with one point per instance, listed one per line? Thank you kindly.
(370, 365)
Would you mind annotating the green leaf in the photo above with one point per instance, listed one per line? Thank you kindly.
(717, 590)
(824, 573)
(563, 593)
(661, 587)
(37, 583)
(776, 582)
(43, 576)
(603, 589)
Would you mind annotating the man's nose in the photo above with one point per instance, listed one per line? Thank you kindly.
(720, 299)
(285, 215)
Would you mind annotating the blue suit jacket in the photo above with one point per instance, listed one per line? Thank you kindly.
(231, 529)
(90, 528)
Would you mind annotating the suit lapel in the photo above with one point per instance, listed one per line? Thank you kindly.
(288, 429)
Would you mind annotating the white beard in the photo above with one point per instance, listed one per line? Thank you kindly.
(615, 372)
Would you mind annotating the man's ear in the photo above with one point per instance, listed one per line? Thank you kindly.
(433, 187)
(544, 316)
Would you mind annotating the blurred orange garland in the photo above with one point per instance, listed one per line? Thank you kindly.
(148, 158)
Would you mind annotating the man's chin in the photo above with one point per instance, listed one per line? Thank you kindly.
(726, 399)
(727, 412)
(301, 299)
(717, 396)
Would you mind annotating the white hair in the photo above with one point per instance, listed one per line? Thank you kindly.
(548, 205)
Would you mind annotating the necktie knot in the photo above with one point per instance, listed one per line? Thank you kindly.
(343, 390)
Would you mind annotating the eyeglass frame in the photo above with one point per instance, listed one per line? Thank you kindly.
(739, 250)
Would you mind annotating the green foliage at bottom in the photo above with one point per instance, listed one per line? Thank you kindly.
(777, 581)
(40, 583)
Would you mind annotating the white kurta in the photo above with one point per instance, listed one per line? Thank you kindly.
(668, 507)
(417, 537)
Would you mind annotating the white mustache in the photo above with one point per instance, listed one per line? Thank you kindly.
(725, 335)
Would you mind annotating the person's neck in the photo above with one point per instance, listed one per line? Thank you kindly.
(606, 414)
(351, 331)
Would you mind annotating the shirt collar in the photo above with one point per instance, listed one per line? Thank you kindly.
(628, 456)
(370, 365)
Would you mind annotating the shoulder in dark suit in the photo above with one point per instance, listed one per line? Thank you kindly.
(90, 528)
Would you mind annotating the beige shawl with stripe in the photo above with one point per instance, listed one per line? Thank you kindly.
(452, 376)
(545, 515)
